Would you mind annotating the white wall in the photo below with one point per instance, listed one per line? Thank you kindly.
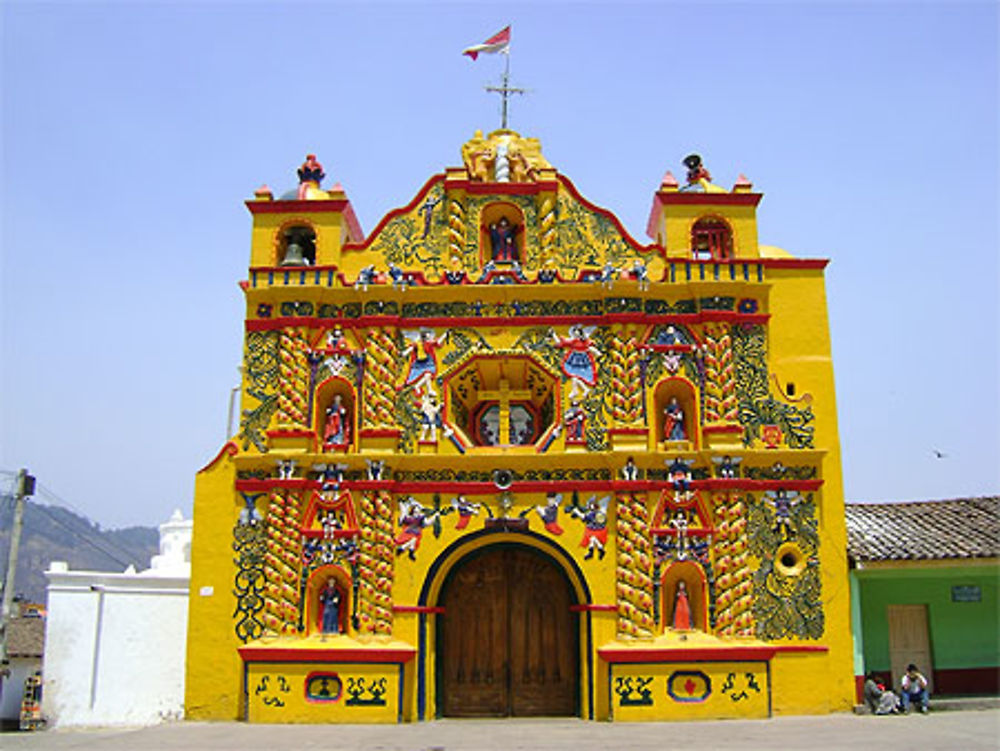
(115, 643)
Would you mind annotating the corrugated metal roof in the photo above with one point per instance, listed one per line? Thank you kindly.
(924, 530)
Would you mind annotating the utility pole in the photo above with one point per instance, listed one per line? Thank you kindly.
(25, 487)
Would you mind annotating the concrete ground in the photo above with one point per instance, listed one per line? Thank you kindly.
(952, 731)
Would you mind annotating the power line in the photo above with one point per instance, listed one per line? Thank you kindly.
(76, 532)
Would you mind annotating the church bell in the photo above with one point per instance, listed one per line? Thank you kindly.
(294, 255)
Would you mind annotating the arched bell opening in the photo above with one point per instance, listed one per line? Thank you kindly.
(295, 245)
(711, 239)
(335, 414)
(684, 590)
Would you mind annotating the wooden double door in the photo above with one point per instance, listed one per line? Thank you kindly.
(508, 643)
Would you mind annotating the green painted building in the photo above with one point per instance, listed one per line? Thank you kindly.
(924, 578)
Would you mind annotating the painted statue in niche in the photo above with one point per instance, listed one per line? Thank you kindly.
(578, 364)
(336, 428)
(329, 599)
(595, 522)
(503, 241)
(673, 421)
(422, 352)
(681, 619)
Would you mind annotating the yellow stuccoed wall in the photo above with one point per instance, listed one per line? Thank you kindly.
(629, 668)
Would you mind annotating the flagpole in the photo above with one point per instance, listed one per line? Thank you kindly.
(506, 89)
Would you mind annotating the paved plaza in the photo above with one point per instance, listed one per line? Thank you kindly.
(951, 731)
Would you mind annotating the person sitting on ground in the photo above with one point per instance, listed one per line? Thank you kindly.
(878, 699)
(914, 689)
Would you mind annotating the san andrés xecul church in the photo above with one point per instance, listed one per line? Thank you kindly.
(498, 458)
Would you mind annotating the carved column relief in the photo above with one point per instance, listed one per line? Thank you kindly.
(734, 584)
(547, 226)
(626, 383)
(282, 563)
(456, 228)
(720, 376)
(293, 391)
(634, 583)
(375, 564)
(379, 383)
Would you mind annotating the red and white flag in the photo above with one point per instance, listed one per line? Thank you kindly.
(499, 42)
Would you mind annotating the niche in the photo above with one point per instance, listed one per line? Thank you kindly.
(695, 591)
(335, 413)
(675, 401)
(501, 234)
(328, 598)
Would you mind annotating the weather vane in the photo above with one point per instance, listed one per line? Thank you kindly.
(498, 43)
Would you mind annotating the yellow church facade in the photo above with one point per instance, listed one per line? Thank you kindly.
(498, 458)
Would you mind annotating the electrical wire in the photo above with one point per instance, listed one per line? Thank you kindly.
(59, 502)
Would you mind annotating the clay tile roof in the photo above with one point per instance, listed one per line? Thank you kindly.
(26, 637)
(924, 530)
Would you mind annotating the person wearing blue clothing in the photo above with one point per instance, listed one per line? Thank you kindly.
(914, 686)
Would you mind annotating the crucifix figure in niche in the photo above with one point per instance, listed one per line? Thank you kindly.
(503, 241)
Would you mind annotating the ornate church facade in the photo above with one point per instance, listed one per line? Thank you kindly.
(497, 458)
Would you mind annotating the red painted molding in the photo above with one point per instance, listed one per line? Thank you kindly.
(380, 433)
(651, 248)
(357, 654)
(417, 609)
(318, 206)
(716, 429)
(521, 486)
(593, 608)
(228, 449)
(697, 654)
(794, 263)
(364, 242)
(504, 189)
(628, 431)
(291, 433)
(739, 483)
(678, 198)
(271, 324)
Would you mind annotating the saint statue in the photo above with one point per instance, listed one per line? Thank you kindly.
(503, 240)
(335, 430)
(682, 609)
(673, 421)
(329, 598)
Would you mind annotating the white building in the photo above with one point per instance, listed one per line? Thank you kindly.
(115, 643)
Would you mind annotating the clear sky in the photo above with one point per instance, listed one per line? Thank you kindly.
(132, 133)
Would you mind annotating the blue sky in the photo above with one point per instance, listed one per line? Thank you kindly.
(133, 132)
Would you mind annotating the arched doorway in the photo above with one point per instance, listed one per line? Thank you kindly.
(508, 642)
